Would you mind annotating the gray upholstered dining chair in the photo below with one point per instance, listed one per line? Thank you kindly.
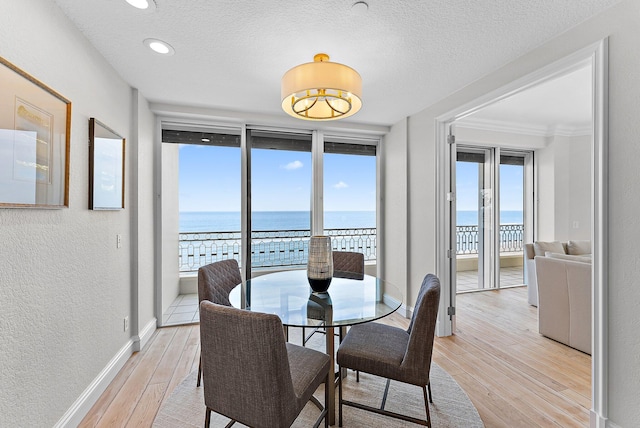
(346, 264)
(251, 374)
(215, 282)
(394, 353)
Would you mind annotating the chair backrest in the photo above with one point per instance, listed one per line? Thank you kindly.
(245, 366)
(216, 280)
(348, 264)
(422, 328)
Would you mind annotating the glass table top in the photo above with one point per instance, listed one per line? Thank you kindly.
(346, 302)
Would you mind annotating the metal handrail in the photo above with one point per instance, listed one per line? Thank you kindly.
(468, 238)
(269, 248)
(283, 248)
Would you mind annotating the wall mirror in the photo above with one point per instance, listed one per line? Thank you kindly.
(106, 167)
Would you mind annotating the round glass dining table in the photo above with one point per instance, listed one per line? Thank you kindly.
(347, 302)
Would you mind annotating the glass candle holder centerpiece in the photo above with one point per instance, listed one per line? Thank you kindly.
(320, 263)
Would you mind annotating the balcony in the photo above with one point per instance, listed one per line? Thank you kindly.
(269, 249)
(511, 256)
(288, 249)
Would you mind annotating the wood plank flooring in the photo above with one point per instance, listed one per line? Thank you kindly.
(514, 376)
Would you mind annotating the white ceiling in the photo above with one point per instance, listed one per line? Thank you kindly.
(562, 106)
(232, 54)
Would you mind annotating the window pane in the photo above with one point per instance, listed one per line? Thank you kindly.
(350, 197)
(280, 198)
(209, 184)
(511, 220)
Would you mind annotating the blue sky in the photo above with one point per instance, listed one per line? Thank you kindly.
(281, 180)
(511, 181)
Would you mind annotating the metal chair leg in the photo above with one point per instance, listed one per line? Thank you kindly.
(326, 402)
(426, 405)
(199, 371)
(339, 398)
(207, 418)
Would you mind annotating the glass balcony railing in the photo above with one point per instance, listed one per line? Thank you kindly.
(279, 248)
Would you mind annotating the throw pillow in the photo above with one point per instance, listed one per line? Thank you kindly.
(541, 247)
(578, 248)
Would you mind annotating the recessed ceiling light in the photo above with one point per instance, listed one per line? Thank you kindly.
(140, 4)
(359, 7)
(159, 46)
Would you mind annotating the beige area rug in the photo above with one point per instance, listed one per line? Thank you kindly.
(451, 407)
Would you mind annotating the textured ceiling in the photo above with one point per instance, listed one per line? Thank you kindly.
(232, 54)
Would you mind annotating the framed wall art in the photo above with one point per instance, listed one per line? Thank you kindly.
(106, 167)
(35, 124)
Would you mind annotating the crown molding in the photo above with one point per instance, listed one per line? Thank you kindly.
(525, 128)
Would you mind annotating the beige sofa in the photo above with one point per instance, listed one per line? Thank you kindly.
(540, 248)
(564, 300)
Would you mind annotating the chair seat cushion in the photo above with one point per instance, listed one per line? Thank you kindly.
(309, 369)
(384, 359)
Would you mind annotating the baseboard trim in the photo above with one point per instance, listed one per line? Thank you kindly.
(597, 421)
(141, 340)
(392, 301)
(74, 415)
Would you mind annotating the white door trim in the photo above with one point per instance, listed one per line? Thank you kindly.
(597, 56)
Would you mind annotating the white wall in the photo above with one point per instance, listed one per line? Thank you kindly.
(579, 188)
(170, 224)
(393, 251)
(64, 286)
(564, 188)
(621, 24)
(142, 207)
(545, 172)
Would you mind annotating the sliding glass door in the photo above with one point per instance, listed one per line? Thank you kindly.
(512, 215)
(201, 211)
(492, 186)
(256, 195)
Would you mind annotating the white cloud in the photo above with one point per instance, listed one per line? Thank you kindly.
(293, 165)
(340, 185)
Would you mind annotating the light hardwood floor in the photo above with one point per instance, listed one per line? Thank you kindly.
(514, 376)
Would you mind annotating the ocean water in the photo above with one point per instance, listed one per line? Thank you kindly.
(273, 220)
(208, 221)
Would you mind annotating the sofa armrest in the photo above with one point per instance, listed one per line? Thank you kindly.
(553, 299)
(529, 252)
(579, 280)
(564, 301)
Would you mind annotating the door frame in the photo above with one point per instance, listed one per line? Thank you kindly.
(595, 55)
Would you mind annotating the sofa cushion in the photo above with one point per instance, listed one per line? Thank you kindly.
(541, 247)
(577, 248)
(586, 258)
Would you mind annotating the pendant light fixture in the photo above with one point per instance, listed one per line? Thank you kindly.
(321, 90)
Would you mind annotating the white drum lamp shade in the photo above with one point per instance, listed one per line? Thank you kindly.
(321, 90)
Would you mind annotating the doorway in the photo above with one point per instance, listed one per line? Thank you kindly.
(595, 57)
